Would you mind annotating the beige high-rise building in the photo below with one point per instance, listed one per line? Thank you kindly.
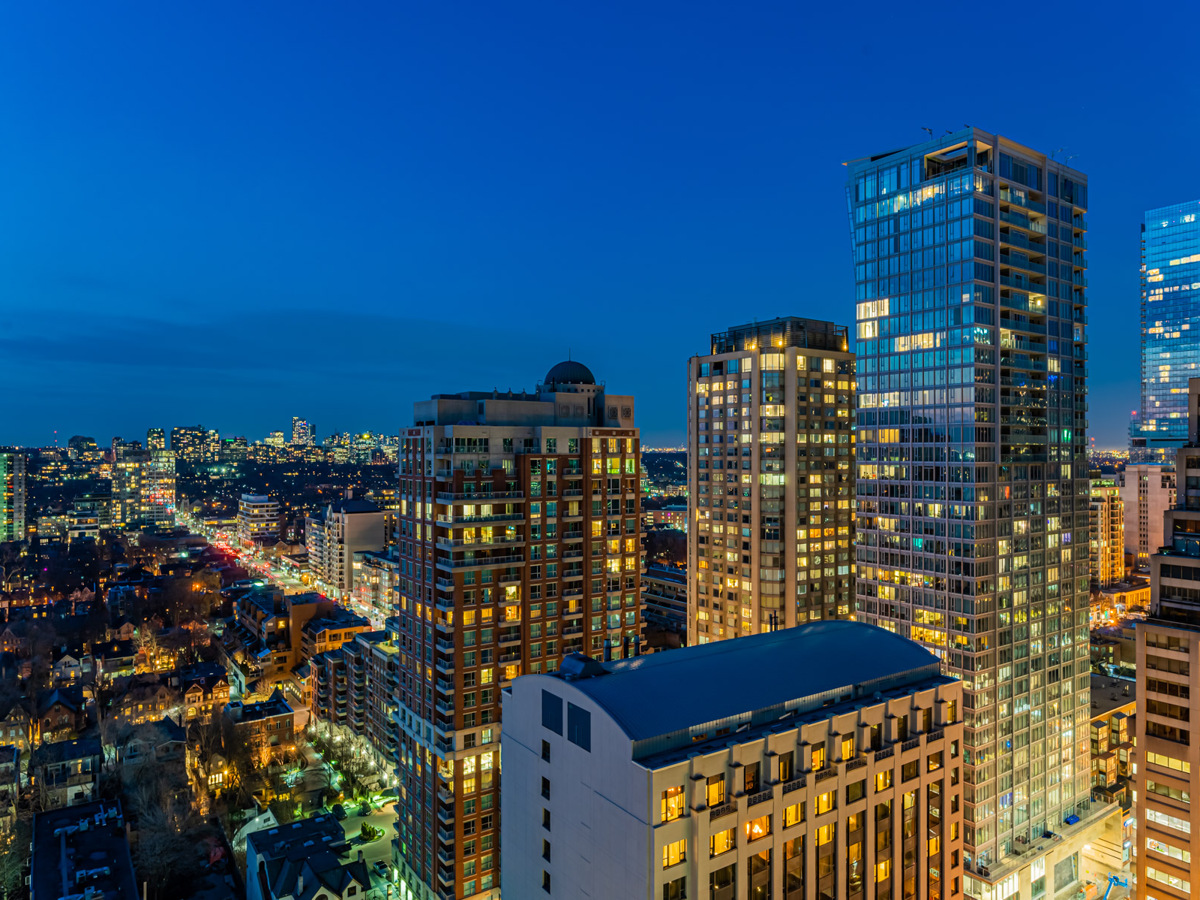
(771, 479)
(519, 535)
(1148, 491)
(1168, 660)
(1108, 532)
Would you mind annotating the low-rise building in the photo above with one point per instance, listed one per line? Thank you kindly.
(61, 713)
(268, 727)
(10, 786)
(83, 849)
(205, 693)
(304, 860)
(115, 659)
(664, 599)
(817, 761)
(65, 773)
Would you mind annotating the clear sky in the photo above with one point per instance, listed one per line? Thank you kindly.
(233, 213)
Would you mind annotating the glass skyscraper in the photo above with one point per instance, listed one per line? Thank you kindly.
(1170, 330)
(972, 479)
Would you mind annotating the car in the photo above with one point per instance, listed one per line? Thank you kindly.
(339, 811)
(381, 868)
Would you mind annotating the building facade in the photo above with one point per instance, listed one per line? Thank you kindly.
(829, 781)
(973, 514)
(188, 443)
(1168, 656)
(1108, 532)
(258, 519)
(12, 495)
(1147, 492)
(771, 470)
(1170, 275)
(519, 531)
(143, 489)
(334, 534)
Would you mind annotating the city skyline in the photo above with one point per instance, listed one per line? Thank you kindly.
(210, 232)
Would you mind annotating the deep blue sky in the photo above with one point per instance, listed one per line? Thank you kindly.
(235, 213)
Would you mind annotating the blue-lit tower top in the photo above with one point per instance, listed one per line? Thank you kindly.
(1170, 320)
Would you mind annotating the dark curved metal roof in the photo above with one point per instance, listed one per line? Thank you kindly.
(570, 372)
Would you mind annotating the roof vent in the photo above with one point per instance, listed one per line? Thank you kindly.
(577, 665)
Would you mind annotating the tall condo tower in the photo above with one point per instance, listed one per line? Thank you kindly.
(770, 478)
(519, 533)
(1170, 331)
(973, 518)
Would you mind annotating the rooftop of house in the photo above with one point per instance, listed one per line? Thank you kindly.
(761, 676)
(53, 752)
(273, 706)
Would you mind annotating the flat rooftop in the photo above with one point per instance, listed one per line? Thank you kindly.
(79, 848)
(760, 677)
(1108, 694)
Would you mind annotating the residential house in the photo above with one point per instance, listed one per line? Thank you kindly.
(16, 725)
(114, 659)
(304, 860)
(264, 726)
(10, 786)
(143, 699)
(73, 665)
(61, 713)
(65, 773)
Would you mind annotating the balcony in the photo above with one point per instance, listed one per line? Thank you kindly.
(446, 543)
(507, 497)
(449, 521)
(449, 564)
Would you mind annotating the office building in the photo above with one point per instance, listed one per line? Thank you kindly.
(1170, 275)
(973, 514)
(275, 439)
(1108, 532)
(771, 471)
(156, 439)
(1168, 658)
(188, 443)
(333, 535)
(12, 495)
(519, 532)
(674, 776)
(258, 520)
(1147, 492)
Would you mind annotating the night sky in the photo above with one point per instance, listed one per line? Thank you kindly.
(236, 213)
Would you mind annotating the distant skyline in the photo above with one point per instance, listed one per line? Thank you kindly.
(233, 215)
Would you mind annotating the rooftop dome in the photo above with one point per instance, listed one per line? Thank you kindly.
(570, 372)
